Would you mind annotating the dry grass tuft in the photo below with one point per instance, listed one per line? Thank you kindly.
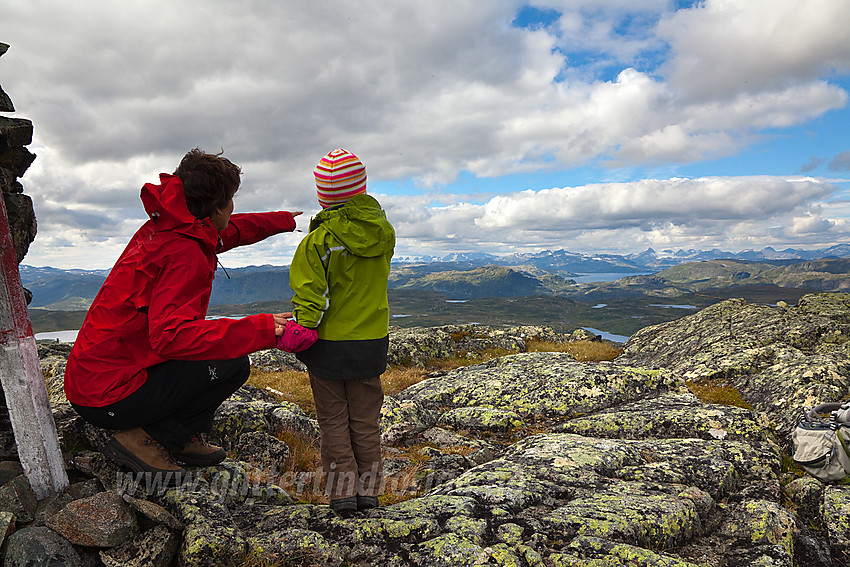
(304, 467)
(400, 486)
(304, 455)
(286, 386)
(714, 392)
(398, 378)
(466, 359)
(584, 351)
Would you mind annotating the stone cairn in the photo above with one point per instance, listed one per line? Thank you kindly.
(15, 159)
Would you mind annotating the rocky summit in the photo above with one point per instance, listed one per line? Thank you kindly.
(529, 459)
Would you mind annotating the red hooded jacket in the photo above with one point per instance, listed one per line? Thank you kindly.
(153, 304)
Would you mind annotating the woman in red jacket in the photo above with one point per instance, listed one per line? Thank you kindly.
(146, 361)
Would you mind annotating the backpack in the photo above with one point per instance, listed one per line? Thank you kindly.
(820, 445)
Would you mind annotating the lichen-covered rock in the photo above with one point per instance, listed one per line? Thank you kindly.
(416, 346)
(449, 550)
(440, 467)
(262, 449)
(593, 552)
(153, 512)
(780, 359)
(52, 504)
(7, 526)
(304, 546)
(836, 516)
(476, 450)
(155, 547)
(53, 358)
(807, 495)
(500, 484)
(536, 459)
(209, 537)
(234, 418)
(288, 416)
(754, 523)
(668, 416)
(275, 360)
(539, 385)
(412, 417)
(641, 514)
(478, 418)
(250, 410)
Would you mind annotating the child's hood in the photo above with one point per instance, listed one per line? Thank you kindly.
(361, 226)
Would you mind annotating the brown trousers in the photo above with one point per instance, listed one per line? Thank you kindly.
(349, 413)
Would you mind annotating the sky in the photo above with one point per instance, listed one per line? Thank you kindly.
(498, 126)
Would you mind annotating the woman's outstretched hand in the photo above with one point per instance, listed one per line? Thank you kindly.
(280, 320)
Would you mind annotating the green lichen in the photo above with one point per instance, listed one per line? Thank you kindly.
(501, 554)
(631, 515)
(428, 506)
(379, 530)
(604, 553)
(296, 547)
(640, 371)
(448, 550)
(468, 528)
(510, 533)
(481, 418)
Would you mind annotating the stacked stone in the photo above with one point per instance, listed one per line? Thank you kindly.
(15, 159)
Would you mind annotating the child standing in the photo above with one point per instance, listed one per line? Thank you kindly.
(339, 277)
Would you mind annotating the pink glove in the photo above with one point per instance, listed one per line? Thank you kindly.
(296, 338)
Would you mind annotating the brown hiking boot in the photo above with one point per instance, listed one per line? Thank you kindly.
(198, 453)
(139, 452)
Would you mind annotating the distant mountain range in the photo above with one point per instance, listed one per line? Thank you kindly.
(649, 260)
(484, 275)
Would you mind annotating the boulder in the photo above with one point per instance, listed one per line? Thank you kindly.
(17, 497)
(780, 359)
(102, 520)
(416, 346)
(39, 546)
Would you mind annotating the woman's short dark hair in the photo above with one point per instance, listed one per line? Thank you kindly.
(209, 181)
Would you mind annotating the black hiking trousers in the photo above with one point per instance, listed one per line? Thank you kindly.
(176, 402)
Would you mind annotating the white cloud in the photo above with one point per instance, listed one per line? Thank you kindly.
(705, 212)
(649, 202)
(423, 91)
(723, 46)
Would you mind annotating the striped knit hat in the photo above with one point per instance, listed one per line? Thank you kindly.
(340, 175)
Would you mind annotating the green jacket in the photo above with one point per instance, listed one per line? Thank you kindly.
(339, 278)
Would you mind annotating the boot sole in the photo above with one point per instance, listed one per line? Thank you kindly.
(207, 460)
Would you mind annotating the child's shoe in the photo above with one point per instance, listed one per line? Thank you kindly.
(345, 507)
(367, 502)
